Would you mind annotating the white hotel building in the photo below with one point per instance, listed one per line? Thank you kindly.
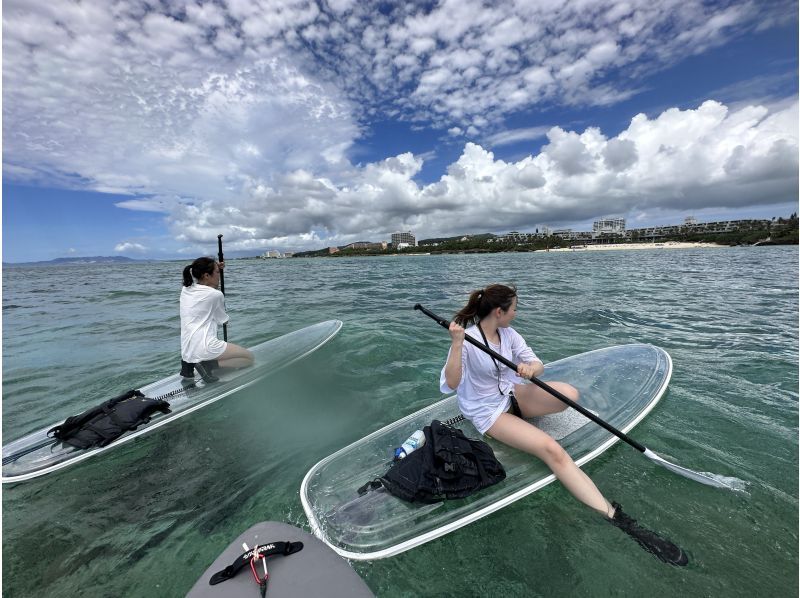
(406, 239)
(605, 226)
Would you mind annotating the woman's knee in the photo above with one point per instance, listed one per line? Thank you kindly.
(554, 454)
(568, 391)
(246, 354)
(233, 351)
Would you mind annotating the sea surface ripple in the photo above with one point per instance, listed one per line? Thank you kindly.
(147, 518)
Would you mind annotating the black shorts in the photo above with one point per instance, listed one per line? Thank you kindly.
(514, 409)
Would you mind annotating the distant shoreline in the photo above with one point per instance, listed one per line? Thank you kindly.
(619, 246)
(574, 248)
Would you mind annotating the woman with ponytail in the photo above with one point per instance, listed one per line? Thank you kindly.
(202, 309)
(498, 401)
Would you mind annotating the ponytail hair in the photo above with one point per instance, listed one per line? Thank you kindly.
(483, 301)
(195, 270)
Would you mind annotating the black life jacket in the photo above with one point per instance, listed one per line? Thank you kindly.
(101, 425)
(448, 465)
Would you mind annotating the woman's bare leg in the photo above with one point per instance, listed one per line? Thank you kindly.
(535, 401)
(519, 434)
(235, 357)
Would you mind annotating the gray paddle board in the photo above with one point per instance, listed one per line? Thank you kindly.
(314, 571)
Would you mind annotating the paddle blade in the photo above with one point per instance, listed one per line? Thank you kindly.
(710, 479)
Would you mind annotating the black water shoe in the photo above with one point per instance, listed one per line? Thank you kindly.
(187, 369)
(649, 540)
(205, 372)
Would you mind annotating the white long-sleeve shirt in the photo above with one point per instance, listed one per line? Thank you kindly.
(202, 312)
(483, 391)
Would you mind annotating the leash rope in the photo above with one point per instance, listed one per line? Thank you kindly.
(177, 391)
(454, 420)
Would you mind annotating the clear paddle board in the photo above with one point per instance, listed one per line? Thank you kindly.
(619, 384)
(36, 454)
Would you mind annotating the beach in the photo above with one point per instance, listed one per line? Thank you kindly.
(620, 246)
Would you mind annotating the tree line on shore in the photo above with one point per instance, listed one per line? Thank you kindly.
(779, 231)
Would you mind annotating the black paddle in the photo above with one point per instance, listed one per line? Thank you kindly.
(703, 478)
(222, 284)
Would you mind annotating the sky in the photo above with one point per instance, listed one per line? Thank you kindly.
(145, 128)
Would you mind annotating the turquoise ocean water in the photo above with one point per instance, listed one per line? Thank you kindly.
(147, 518)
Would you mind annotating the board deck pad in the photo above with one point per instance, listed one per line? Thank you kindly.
(619, 384)
(270, 356)
(562, 424)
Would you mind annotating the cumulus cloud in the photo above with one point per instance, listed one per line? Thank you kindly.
(568, 152)
(128, 247)
(681, 159)
(620, 154)
(240, 117)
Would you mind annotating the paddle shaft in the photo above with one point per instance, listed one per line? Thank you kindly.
(510, 364)
(222, 283)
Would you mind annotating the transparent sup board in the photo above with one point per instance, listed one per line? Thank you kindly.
(620, 384)
(270, 356)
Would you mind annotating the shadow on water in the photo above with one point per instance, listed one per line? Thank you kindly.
(227, 466)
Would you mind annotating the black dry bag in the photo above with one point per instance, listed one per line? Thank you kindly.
(101, 425)
(449, 465)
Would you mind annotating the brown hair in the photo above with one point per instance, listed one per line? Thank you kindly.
(202, 265)
(483, 301)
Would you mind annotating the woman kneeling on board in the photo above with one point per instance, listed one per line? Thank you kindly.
(202, 312)
(496, 400)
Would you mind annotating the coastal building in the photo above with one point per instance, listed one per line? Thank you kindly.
(605, 231)
(272, 253)
(381, 245)
(724, 226)
(517, 237)
(512, 237)
(608, 226)
(406, 237)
